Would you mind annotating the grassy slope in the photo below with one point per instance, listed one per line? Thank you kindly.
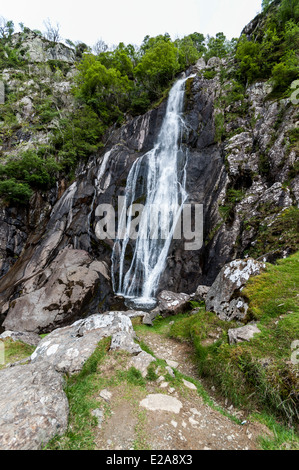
(258, 374)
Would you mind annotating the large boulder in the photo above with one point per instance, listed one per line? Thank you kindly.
(58, 295)
(224, 297)
(33, 406)
(68, 348)
(169, 303)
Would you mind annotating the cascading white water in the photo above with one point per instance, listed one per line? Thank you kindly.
(156, 180)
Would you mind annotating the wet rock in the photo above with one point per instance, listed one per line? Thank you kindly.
(33, 406)
(224, 297)
(245, 333)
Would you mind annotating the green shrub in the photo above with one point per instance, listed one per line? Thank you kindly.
(13, 191)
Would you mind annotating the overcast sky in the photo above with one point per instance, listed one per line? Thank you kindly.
(130, 21)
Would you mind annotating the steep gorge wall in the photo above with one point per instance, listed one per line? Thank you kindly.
(62, 270)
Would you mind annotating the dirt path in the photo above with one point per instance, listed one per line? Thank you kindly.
(167, 413)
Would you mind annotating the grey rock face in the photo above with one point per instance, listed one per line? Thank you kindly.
(58, 294)
(212, 169)
(245, 333)
(68, 348)
(41, 50)
(224, 297)
(33, 406)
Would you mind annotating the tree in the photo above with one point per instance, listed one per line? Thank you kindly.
(266, 4)
(157, 67)
(100, 46)
(289, 10)
(52, 32)
(188, 53)
(218, 46)
(104, 90)
(6, 28)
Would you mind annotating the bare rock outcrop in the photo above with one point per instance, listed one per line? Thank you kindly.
(224, 297)
(68, 348)
(57, 295)
(33, 406)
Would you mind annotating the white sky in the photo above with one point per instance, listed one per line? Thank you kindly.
(130, 21)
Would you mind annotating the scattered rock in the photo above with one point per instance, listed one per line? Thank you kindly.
(160, 402)
(224, 297)
(106, 395)
(172, 364)
(125, 341)
(99, 414)
(189, 385)
(245, 333)
(170, 371)
(33, 406)
(200, 293)
(150, 316)
(141, 362)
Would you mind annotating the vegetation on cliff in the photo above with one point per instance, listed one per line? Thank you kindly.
(112, 84)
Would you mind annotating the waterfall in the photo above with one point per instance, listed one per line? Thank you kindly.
(156, 187)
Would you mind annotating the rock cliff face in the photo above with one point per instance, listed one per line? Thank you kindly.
(54, 268)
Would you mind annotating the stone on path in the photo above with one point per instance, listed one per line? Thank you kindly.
(141, 362)
(189, 385)
(160, 402)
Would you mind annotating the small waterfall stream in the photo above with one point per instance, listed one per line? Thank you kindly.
(155, 190)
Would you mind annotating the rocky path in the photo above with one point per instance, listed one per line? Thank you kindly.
(168, 414)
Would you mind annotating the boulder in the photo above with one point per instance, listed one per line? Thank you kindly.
(58, 295)
(224, 297)
(68, 348)
(28, 338)
(141, 362)
(33, 406)
(171, 303)
(245, 333)
(200, 293)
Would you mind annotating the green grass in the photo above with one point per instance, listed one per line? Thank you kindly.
(259, 374)
(15, 351)
(80, 389)
(280, 235)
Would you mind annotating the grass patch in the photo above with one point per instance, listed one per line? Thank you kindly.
(259, 374)
(281, 234)
(80, 388)
(14, 351)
